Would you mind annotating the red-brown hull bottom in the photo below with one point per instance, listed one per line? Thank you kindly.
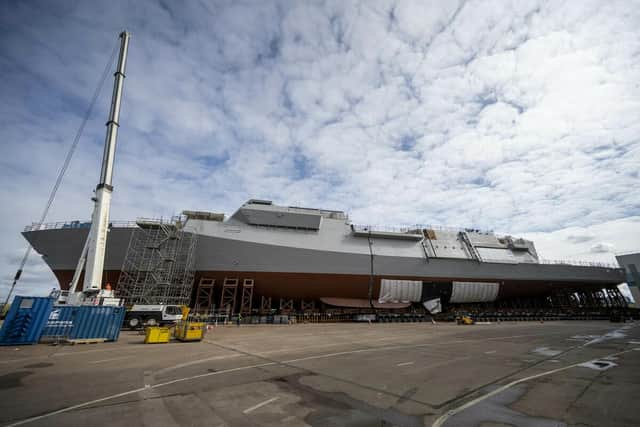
(306, 286)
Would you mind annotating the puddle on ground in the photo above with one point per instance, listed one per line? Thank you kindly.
(598, 365)
(13, 380)
(583, 337)
(495, 410)
(546, 351)
(613, 335)
(39, 365)
(339, 409)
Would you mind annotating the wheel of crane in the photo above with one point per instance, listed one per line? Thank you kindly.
(134, 322)
(151, 321)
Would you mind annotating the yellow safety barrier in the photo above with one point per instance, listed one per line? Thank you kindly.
(156, 335)
(189, 331)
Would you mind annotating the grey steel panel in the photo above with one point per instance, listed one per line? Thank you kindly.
(486, 240)
(282, 219)
(225, 254)
(61, 248)
(387, 235)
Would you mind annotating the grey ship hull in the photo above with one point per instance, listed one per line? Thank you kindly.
(294, 272)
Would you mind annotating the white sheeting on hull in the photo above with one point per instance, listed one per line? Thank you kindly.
(462, 292)
(400, 291)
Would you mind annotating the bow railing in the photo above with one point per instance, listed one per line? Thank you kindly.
(74, 224)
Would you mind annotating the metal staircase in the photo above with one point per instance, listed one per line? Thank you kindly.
(472, 250)
(424, 248)
(159, 265)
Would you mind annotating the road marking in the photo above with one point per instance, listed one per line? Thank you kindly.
(491, 352)
(109, 360)
(196, 362)
(236, 347)
(405, 364)
(444, 417)
(260, 405)
(617, 334)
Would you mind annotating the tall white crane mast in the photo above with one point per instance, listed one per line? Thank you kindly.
(95, 245)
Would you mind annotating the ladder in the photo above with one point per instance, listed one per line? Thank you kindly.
(424, 248)
(472, 250)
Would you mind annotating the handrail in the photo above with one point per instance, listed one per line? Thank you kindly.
(411, 227)
(578, 263)
(87, 224)
(74, 224)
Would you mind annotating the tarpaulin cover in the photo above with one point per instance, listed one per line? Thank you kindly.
(400, 290)
(474, 292)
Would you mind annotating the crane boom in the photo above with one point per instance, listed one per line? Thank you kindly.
(97, 238)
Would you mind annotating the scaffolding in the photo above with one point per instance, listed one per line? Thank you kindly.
(159, 265)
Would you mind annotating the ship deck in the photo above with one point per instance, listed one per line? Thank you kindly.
(336, 374)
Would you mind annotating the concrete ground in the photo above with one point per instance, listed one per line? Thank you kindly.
(404, 374)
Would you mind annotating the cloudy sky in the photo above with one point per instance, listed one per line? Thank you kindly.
(519, 116)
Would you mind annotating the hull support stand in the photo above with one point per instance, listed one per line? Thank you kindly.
(247, 296)
(229, 292)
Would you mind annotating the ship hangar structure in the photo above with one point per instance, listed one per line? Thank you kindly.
(312, 256)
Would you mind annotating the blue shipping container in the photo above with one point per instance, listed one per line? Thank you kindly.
(59, 324)
(84, 322)
(97, 321)
(25, 320)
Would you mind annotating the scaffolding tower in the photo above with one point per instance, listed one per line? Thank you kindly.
(159, 265)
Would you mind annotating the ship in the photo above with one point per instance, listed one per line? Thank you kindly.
(320, 256)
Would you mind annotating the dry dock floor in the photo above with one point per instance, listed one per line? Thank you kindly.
(574, 373)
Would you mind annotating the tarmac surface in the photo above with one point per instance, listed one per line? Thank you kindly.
(573, 373)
